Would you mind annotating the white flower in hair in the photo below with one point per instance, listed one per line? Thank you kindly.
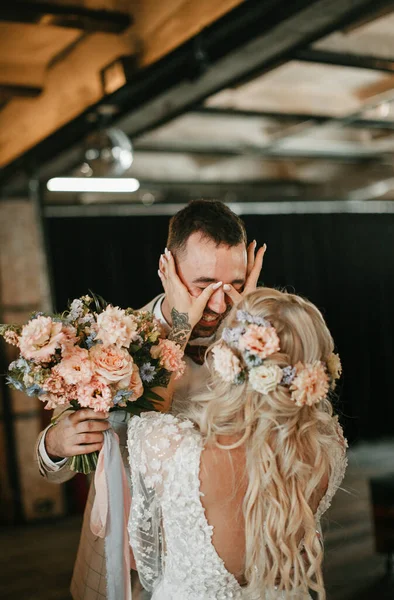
(266, 378)
(226, 363)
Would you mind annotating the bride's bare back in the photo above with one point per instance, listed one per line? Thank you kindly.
(223, 483)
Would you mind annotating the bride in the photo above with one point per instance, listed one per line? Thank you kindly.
(227, 500)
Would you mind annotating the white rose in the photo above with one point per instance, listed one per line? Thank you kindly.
(264, 379)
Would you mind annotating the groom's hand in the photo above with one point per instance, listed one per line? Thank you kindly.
(177, 294)
(79, 432)
(255, 264)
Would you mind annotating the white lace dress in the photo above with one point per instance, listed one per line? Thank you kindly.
(164, 455)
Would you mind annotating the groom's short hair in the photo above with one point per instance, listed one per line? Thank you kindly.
(213, 219)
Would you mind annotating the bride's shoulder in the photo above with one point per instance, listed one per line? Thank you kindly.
(154, 441)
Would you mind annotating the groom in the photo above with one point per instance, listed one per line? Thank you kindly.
(208, 242)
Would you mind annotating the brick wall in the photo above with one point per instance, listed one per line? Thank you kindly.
(24, 288)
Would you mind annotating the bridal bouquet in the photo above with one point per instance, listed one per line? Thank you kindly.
(94, 355)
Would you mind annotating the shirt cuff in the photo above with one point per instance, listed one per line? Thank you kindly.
(49, 464)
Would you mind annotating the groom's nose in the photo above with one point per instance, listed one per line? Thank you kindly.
(217, 302)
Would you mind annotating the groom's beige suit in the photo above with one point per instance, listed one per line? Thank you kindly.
(89, 577)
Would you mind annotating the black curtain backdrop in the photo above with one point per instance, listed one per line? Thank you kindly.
(342, 263)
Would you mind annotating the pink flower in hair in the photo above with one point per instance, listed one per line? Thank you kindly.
(40, 339)
(226, 363)
(96, 395)
(170, 357)
(75, 367)
(260, 341)
(115, 327)
(310, 384)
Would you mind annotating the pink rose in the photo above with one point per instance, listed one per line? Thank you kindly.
(170, 357)
(115, 327)
(260, 341)
(75, 367)
(40, 339)
(112, 364)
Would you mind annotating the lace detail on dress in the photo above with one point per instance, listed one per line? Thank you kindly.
(164, 455)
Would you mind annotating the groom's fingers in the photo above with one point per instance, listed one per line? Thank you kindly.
(170, 270)
(251, 251)
(205, 295)
(87, 414)
(254, 274)
(232, 293)
(163, 280)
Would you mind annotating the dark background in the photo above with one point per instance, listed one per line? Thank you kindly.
(342, 263)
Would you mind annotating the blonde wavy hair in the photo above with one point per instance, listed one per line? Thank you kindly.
(287, 450)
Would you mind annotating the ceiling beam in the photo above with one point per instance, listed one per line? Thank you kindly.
(62, 15)
(340, 59)
(216, 111)
(8, 91)
(268, 152)
(213, 111)
(267, 207)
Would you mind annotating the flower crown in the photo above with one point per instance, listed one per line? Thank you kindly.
(255, 339)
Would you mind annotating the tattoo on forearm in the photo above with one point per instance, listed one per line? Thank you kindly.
(181, 328)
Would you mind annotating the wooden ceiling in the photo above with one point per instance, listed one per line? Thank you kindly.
(305, 108)
(51, 55)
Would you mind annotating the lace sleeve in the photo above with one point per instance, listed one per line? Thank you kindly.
(338, 469)
(152, 439)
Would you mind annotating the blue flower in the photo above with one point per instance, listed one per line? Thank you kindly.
(18, 385)
(244, 317)
(147, 372)
(231, 335)
(21, 364)
(289, 374)
(91, 341)
(34, 390)
(122, 396)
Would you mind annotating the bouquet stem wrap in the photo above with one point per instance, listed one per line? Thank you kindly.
(110, 514)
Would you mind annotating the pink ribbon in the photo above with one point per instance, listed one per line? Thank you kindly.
(100, 512)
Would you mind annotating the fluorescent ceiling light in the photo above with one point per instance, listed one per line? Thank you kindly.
(93, 184)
